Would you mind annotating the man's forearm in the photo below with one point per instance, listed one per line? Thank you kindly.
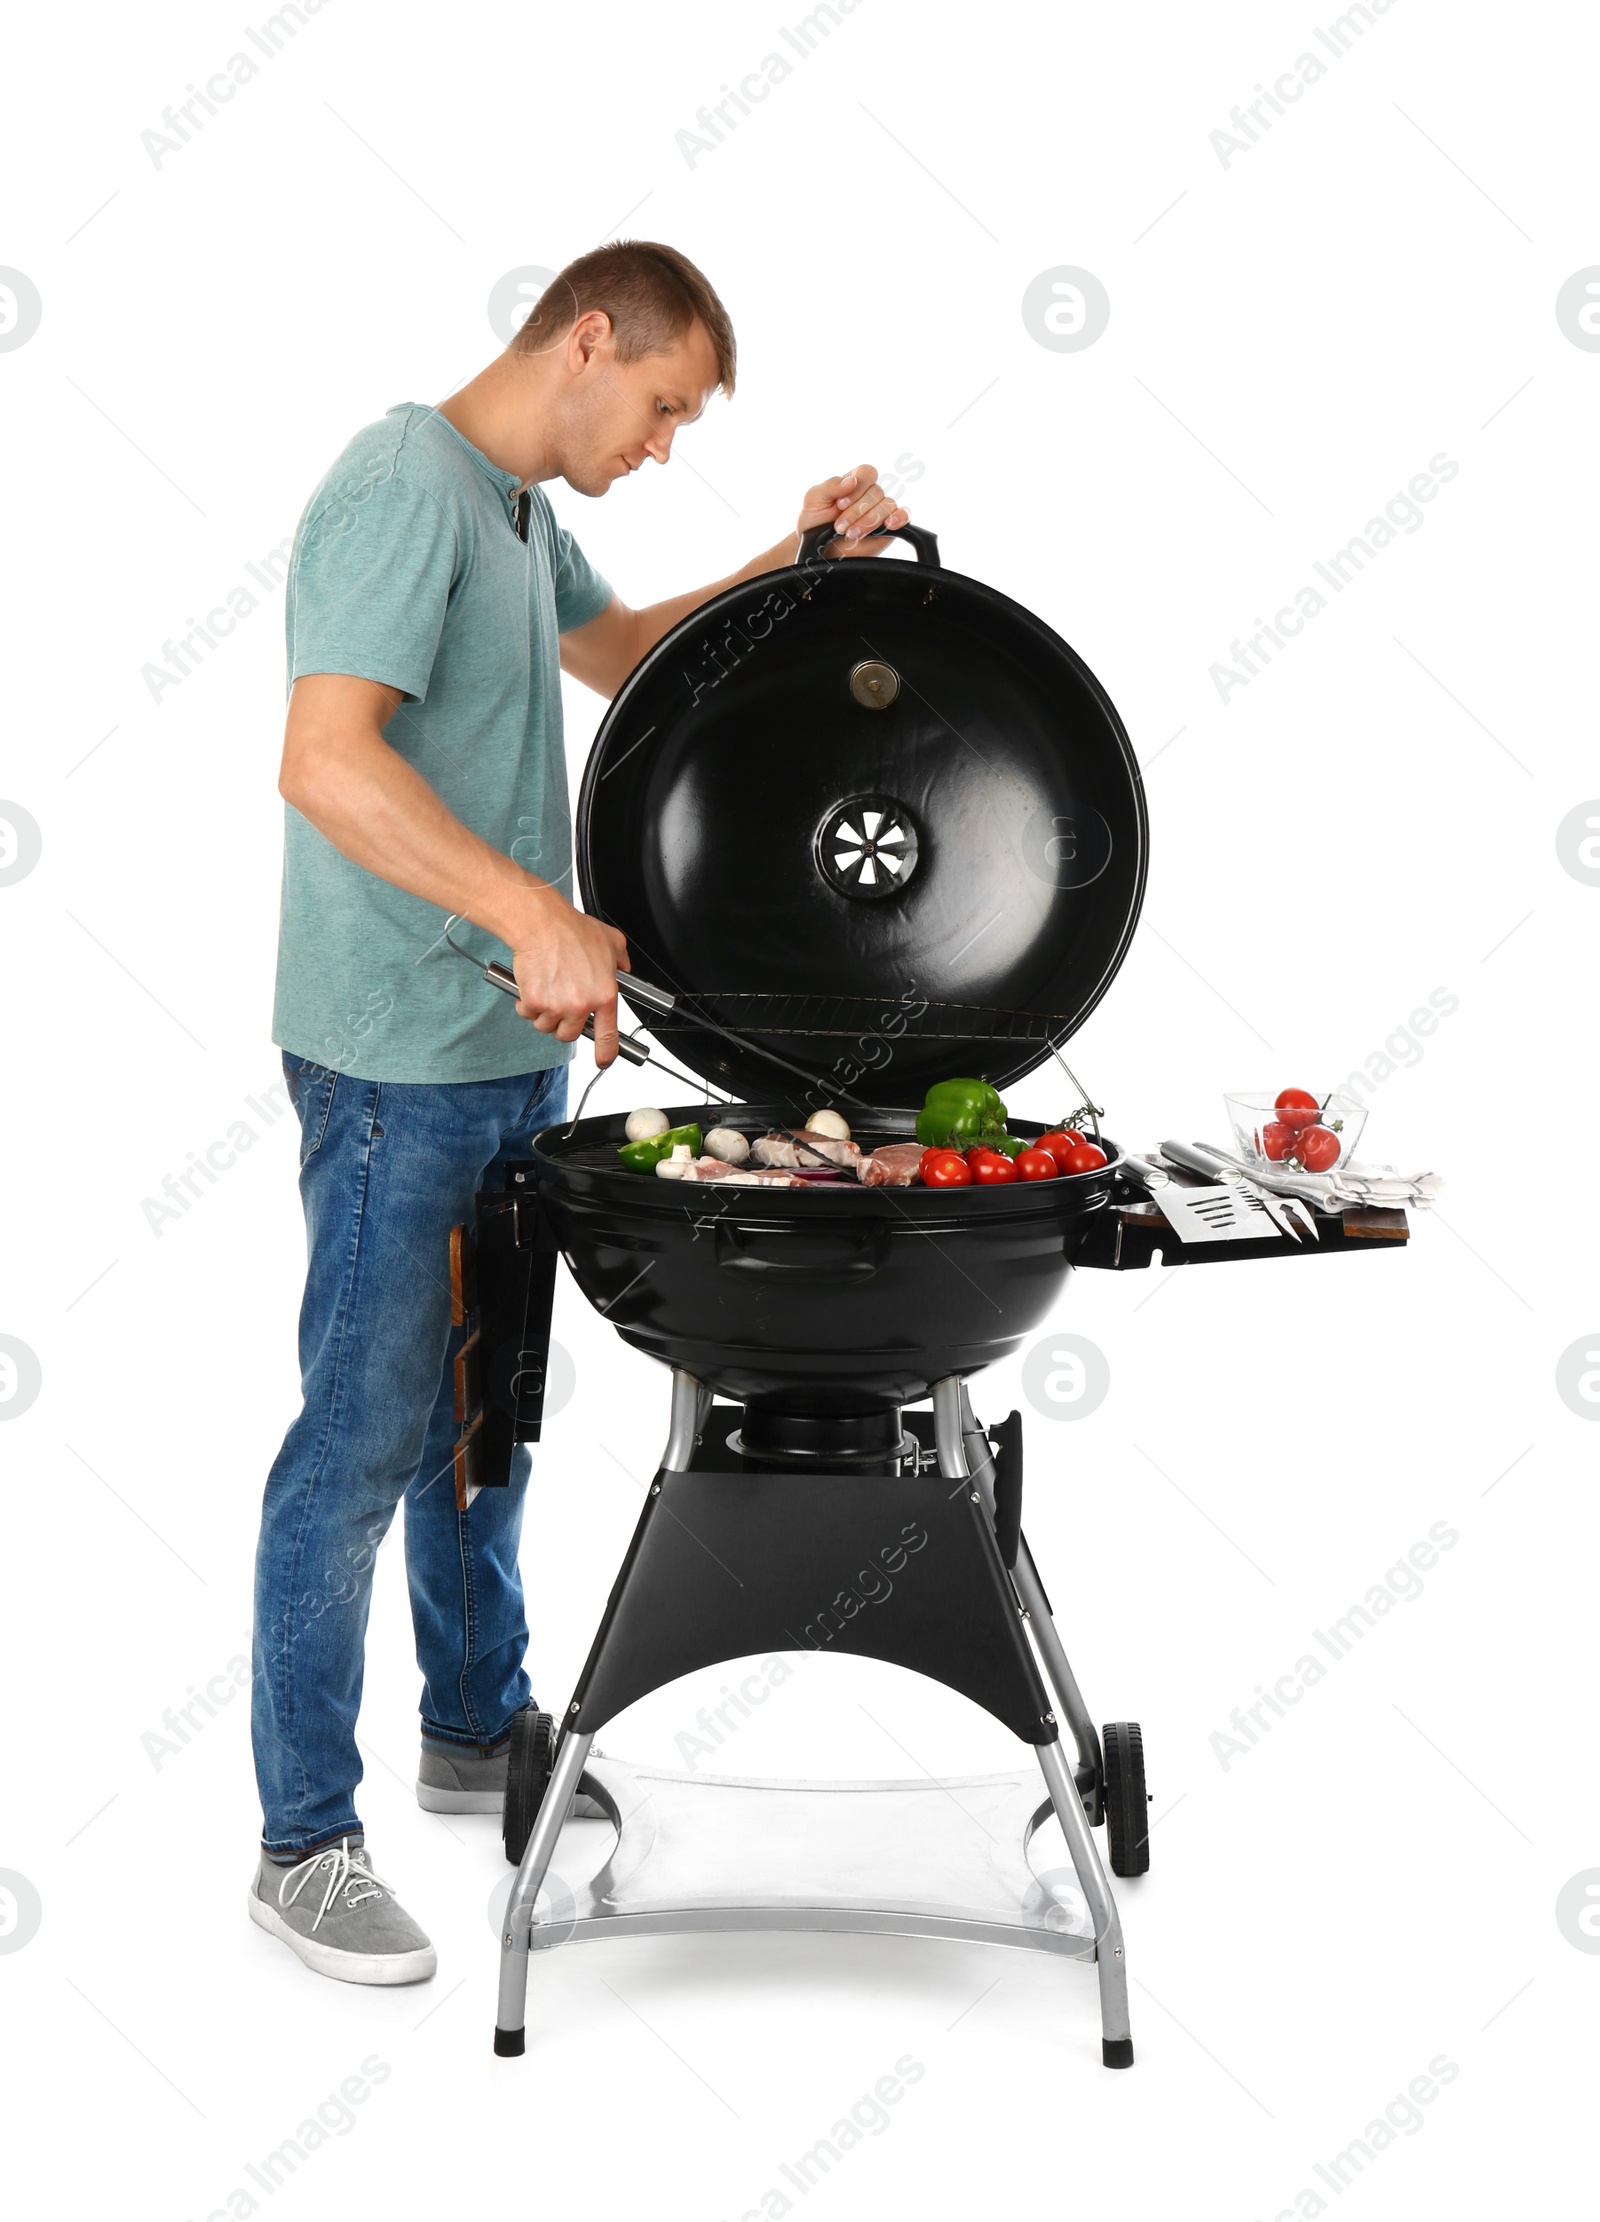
(602, 653)
(655, 622)
(383, 815)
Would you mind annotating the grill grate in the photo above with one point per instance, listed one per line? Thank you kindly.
(847, 1017)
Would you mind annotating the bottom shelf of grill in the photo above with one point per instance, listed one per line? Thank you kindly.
(926, 1858)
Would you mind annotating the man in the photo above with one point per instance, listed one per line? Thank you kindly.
(432, 602)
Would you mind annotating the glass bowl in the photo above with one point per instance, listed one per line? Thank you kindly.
(1264, 1135)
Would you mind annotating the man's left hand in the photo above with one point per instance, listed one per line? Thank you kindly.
(855, 505)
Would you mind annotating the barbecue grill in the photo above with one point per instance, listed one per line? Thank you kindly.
(863, 825)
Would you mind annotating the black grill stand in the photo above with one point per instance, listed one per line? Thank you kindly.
(731, 1559)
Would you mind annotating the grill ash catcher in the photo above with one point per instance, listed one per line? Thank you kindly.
(863, 825)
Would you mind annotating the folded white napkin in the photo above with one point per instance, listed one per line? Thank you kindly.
(1379, 1186)
(1383, 1187)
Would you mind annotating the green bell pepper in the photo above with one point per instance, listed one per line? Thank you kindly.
(960, 1112)
(644, 1157)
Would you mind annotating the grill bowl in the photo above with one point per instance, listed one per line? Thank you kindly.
(832, 1299)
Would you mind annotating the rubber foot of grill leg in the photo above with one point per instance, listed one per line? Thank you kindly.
(1116, 2052)
(510, 2044)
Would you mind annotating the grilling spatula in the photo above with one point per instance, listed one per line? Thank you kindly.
(1288, 1211)
(1233, 1209)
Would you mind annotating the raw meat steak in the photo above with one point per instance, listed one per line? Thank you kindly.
(894, 1165)
(713, 1169)
(781, 1148)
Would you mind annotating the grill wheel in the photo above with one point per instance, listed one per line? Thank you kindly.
(1126, 1799)
(532, 1755)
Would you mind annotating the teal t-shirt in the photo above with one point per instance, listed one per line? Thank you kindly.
(408, 569)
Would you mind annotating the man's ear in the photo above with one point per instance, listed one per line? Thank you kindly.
(588, 334)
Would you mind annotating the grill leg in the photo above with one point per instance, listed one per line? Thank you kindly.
(691, 1408)
(691, 1404)
(1030, 1590)
(954, 1425)
(1116, 2041)
(1031, 1596)
(511, 2017)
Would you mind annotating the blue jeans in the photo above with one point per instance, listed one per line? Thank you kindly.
(386, 1170)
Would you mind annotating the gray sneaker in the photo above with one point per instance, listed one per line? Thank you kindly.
(334, 1913)
(458, 1778)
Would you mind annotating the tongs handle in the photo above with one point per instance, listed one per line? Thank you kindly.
(1193, 1159)
(502, 977)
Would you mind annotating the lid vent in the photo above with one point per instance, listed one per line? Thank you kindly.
(867, 848)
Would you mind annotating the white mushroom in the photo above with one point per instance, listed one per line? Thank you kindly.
(673, 1167)
(728, 1144)
(830, 1123)
(644, 1125)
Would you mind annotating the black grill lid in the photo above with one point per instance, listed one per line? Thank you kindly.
(872, 815)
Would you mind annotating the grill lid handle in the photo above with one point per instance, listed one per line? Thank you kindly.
(922, 540)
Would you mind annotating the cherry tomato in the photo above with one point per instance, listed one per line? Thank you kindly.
(1036, 1163)
(990, 1169)
(1317, 1148)
(945, 1169)
(1058, 1141)
(939, 1149)
(1296, 1107)
(1088, 1157)
(1277, 1140)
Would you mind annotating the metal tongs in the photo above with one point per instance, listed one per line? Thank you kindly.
(1287, 1213)
(661, 1003)
(502, 977)
(628, 1045)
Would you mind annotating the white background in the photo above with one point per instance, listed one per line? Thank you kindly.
(1292, 337)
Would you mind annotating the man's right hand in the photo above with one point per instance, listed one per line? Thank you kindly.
(566, 968)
